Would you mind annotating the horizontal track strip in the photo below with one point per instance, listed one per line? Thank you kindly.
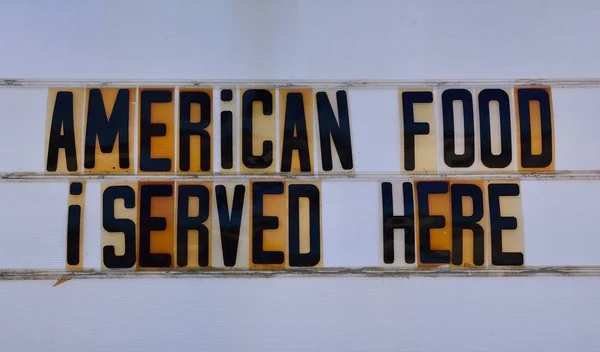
(560, 175)
(373, 83)
(592, 271)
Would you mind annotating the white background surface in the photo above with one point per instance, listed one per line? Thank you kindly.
(304, 40)
(300, 314)
(299, 39)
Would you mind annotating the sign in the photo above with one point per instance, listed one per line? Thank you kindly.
(214, 178)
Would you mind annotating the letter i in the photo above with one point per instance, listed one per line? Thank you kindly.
(76, 202)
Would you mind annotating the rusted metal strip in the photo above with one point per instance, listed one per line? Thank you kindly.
(554, 175)
(379, 83)
(358, 272)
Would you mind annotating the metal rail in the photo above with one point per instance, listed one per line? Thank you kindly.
(554, 175)
(323, 83)
(555, 271)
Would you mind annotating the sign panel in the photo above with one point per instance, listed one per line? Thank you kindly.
(238, 178)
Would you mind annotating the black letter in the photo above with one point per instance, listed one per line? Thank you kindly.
(226, 132)
(230, 226)
(98, 123)
(186, 223)
(313, 257)
(149, 130)
(112, 224)
(427, 222)
(149, 223)
(450, 157)
(252, 161)
(505, 157)
(73, 226)
(461, 222)
(412, 128)
(295, 119)
(499, 223)
(62, 118)
(528, 160)
(392, 222)
(261, 223)
(187, 129)
(330, 130)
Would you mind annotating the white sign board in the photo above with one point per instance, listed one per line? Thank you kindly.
(411, 132)
(262, 178)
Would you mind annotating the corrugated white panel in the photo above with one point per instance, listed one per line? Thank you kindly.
(298, 314)
(350, 210)
(576, 118)
(272, 39)
(34, 225)
(22, 139)
(375, 123)
(560, 222)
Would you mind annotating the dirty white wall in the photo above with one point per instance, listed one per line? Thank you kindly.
(304, 40)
